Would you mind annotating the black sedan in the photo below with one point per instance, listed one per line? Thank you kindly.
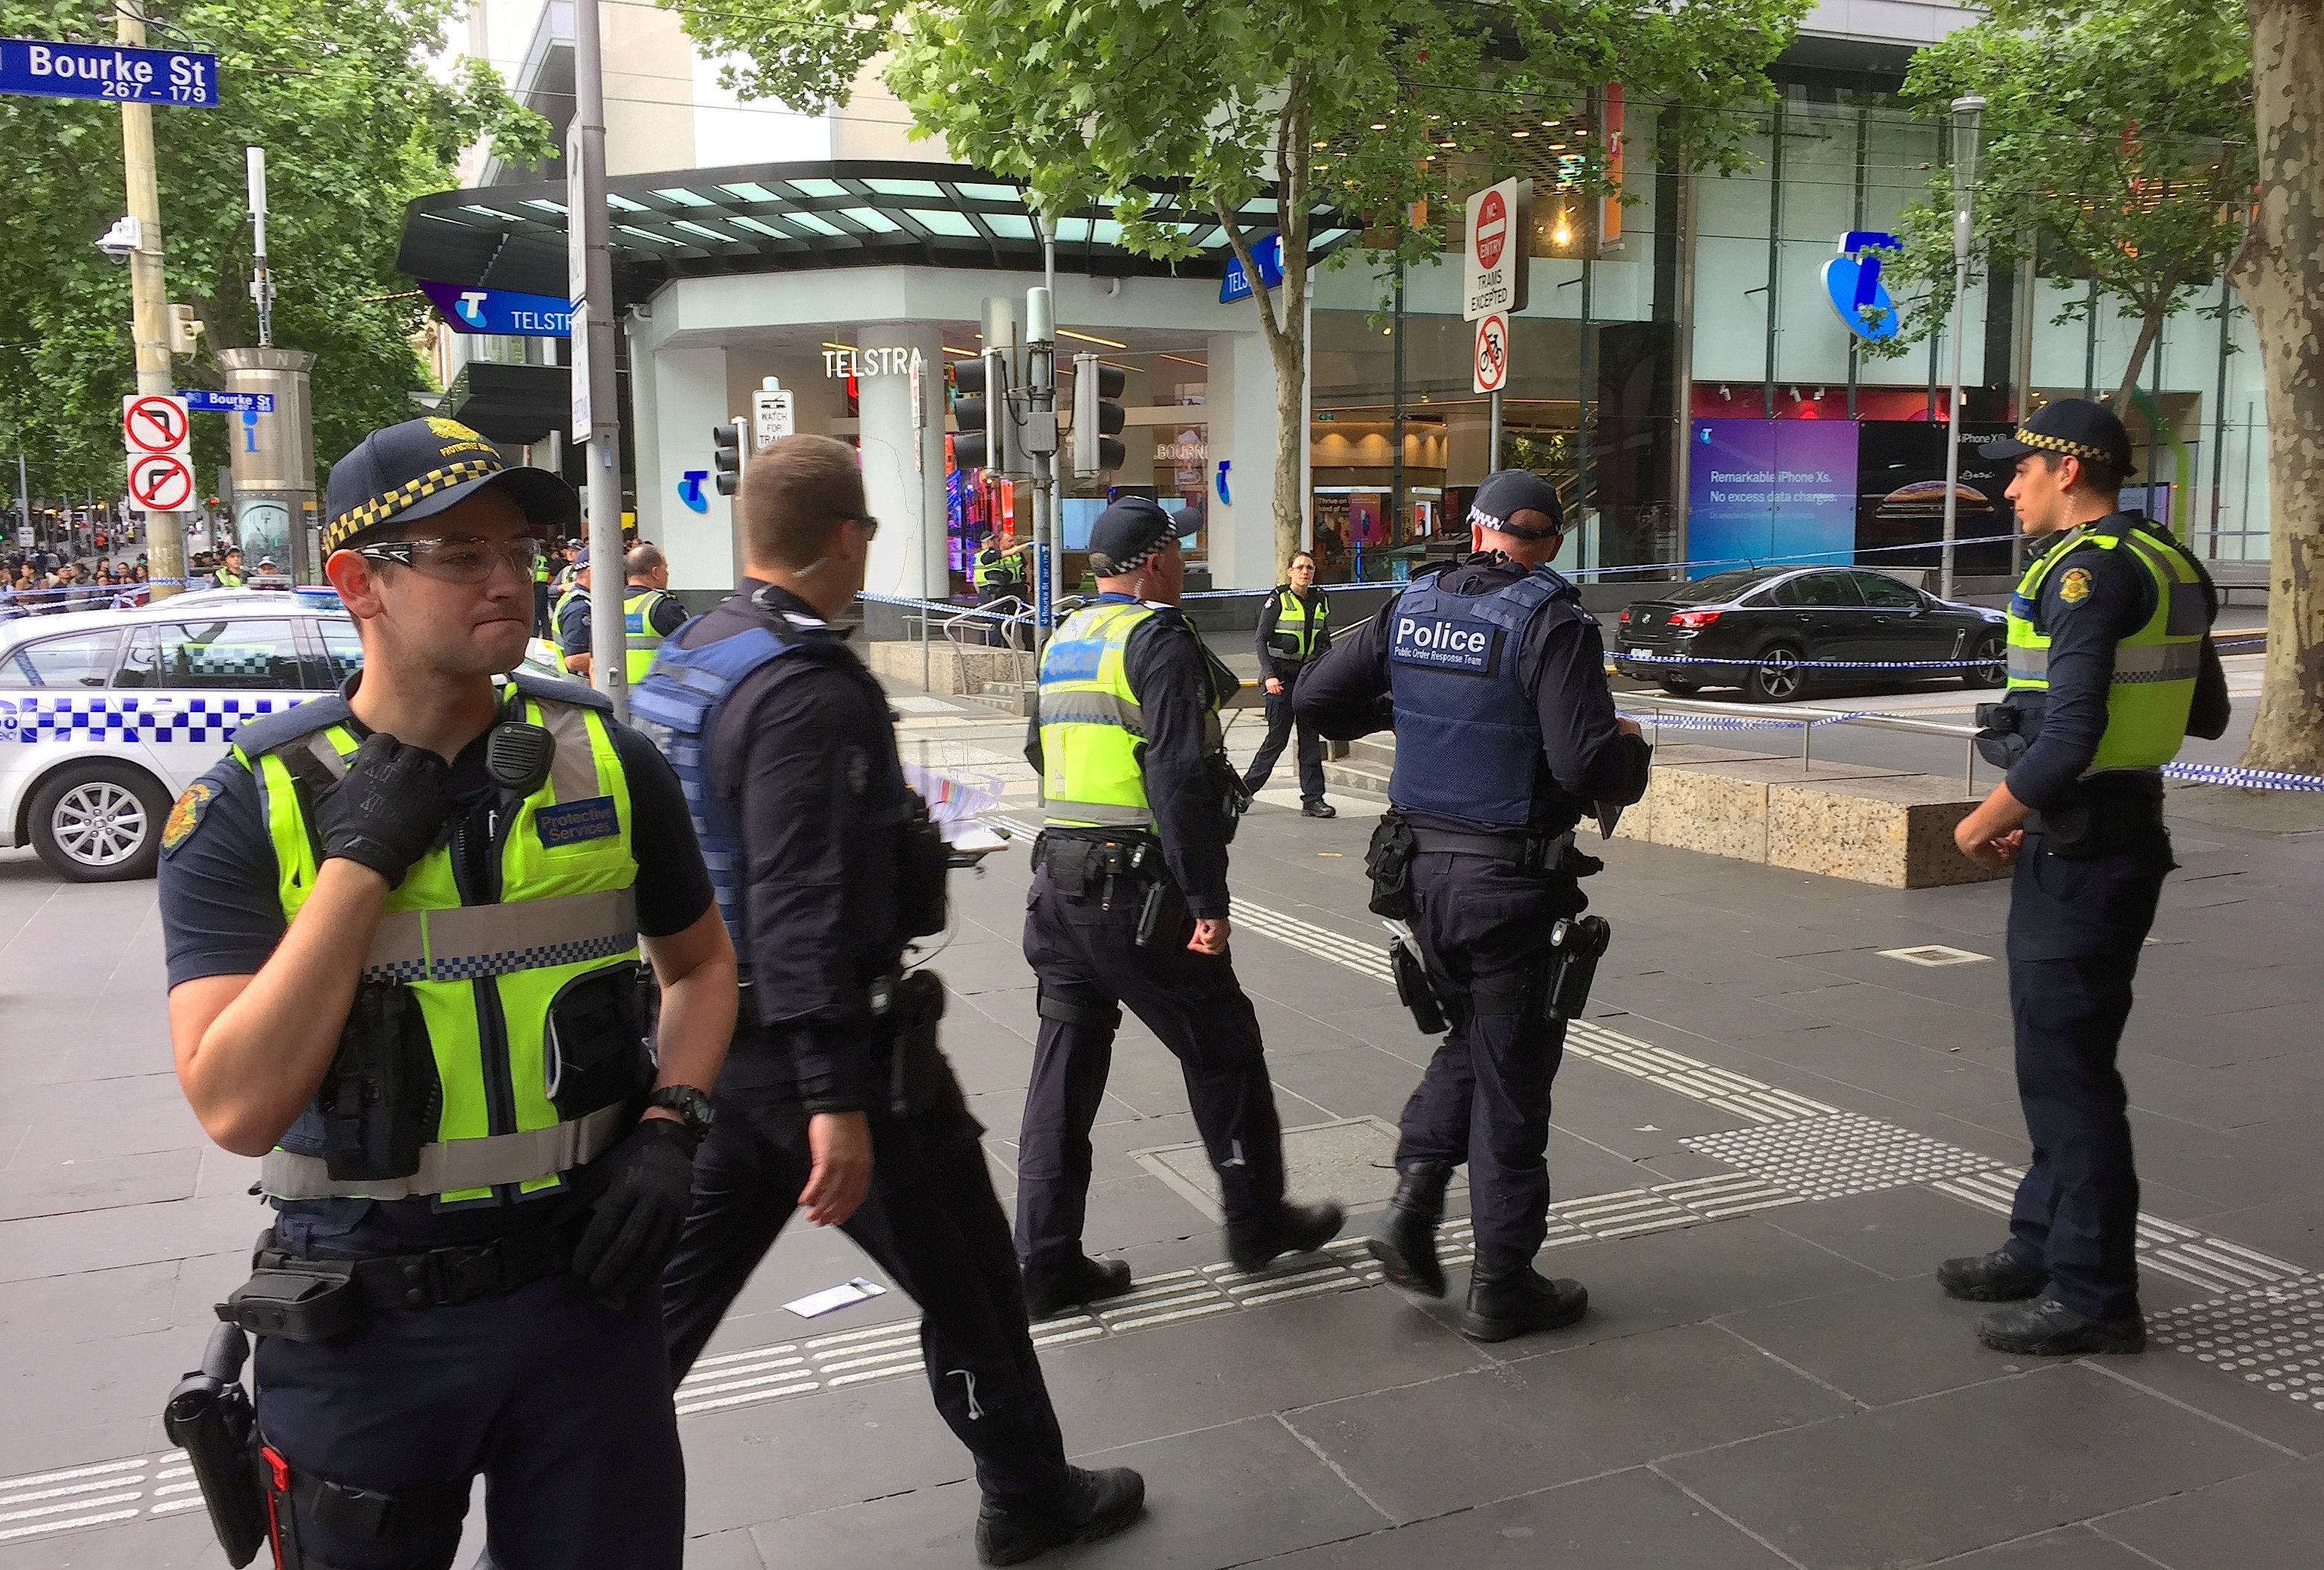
(1777, 622)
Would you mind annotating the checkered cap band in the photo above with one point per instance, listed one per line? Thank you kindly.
(2080, 449)
(382, 509)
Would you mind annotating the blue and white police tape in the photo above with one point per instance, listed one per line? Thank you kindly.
(1629, 658)
(2248, 779)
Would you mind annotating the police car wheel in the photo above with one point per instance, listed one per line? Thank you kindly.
(1777, 678)
(100, 823)
(1995, 672)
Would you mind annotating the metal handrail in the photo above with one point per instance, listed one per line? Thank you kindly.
(1807, 720)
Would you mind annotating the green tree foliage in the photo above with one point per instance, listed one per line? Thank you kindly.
(2117, 135)
(354, 122)
(1177, 113)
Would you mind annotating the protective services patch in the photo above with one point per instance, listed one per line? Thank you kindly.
(187, 816)
(2075, 587)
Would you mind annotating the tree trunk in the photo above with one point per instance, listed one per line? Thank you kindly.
(1284, 324)
(2280, 274)
(2150, 327)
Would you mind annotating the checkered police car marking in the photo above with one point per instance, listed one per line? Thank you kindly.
(35, 721)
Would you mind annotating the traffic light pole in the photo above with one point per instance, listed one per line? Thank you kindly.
(593, 334)
(1040, 431)
(149, 294)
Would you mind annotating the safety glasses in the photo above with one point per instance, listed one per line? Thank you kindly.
(458, 561)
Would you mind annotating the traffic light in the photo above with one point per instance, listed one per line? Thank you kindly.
(1097, 417)
(726, 444)
(979, 405)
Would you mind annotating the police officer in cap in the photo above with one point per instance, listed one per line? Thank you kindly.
(228, 572)
(1129, 907)
(1493, 677)
(573, 620)
(405, 926)
(1000, 575)
(2110, 667)
(835, 1095)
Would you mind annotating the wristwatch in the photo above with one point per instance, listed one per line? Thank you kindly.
(691, 1105)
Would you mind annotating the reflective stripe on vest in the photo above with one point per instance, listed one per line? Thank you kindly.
(461, 1166)
(637, 630)
(1091, 724)
(994, 569)
(485, 970)
(1295, 631)
(2152, 689)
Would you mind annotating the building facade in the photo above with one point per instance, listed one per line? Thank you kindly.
(1680, 369)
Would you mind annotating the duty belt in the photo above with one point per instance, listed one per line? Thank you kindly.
(437, 1277)
(1531, 852)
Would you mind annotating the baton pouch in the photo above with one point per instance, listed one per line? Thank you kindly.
(918, 1074)
(381, 1097)
(1389, 860)
(1234, 800)
(302, 1300)
(1414, 991)
(1578, 941)
(208, 1417)
(596, 1048)
(2001, 738)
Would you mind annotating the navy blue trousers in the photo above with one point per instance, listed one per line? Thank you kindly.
(2076, 926)
(1279, 727)
(559, 1402)
(1484, 1099)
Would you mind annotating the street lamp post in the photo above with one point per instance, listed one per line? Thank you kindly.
(1968, 115)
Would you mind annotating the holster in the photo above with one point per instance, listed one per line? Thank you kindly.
(2101, 820)
(1387, 860)
(2002, 736)
(1415, 990)
(380, 1096)
(1234, 800)
(209, 1416)
(345, 1510)
(1578, 941)
(918, 1070)
(922, 863)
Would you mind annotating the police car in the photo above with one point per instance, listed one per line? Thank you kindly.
(106, 715)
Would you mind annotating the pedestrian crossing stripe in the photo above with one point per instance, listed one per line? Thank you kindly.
(54, 721)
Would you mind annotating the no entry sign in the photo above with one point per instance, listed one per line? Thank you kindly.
(1498, 247)
(1489, 370)
(154, 422)
(160, 482)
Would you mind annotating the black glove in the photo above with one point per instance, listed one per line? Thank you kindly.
(388, 810)
(637, 1194)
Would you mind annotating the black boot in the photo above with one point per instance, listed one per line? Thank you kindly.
(1051, 1289)
(1292, 1229)
(1098, 1504)
(1405, 1241)
(1999, 1277)
(2050, 1329)
(1518, 1304)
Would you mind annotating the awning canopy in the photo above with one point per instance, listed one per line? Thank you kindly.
(774, 218)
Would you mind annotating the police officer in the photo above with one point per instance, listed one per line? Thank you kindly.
(835, 1095)
(405, 926)
(1295, 627)
(1129, 906)
(542, 625)
(649, 612)
(1506, 737)
(574, 622)
(2107, 651)
(999, 573)
(229, 574)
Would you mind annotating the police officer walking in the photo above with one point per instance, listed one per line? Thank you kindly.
(1295, 627)
(1129, 907)
(1506, 737)
(2109, 667)
(649, 612)
(835, 1095)
(405, 926)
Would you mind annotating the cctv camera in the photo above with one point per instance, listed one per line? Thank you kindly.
(125, 239)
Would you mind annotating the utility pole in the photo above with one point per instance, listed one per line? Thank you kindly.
(149, 289)
(597, 422)
(1039, 426)
(1050, 544)
(262, 285)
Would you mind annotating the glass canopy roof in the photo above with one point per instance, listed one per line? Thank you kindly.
(772, 218)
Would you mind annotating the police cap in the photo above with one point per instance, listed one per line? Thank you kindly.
(2074, 427)
(421, 468)
(1126, 534)
(1508, 492)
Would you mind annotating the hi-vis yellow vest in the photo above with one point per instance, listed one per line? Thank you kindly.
(1091, 727)
(2154, 669)
(637, 628)
(484, 964)
(1297, 633)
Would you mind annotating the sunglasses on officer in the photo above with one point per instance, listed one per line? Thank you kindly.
(467, 561)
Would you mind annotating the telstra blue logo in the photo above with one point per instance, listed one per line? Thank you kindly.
(689, 490)
(1852, 281)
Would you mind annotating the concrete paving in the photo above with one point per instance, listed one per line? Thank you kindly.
(1791, 1098)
